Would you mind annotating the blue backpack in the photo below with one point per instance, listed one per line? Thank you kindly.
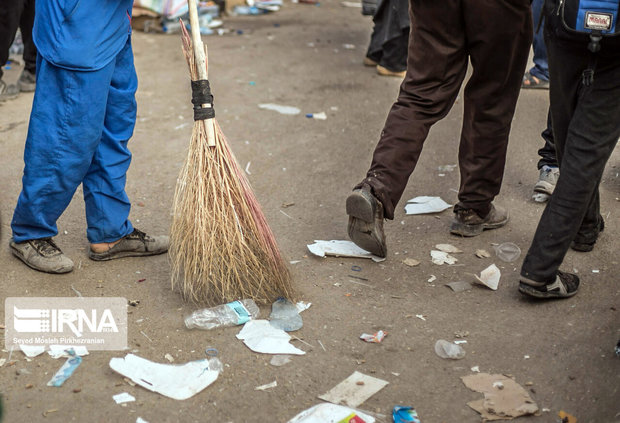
(597, 18)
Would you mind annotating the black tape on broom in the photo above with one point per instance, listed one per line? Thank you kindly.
(201, 94)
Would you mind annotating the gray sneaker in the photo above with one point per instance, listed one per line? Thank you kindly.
(7, 91)
(547, 179)
(27, 81)
(136, 244)
(42, 254)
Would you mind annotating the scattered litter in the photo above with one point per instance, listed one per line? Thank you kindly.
(446, 168)
(321, 344)
(46, 412)
(318, 116)
(285, 315)
(475, 369)
(294, 261)
(498, 385)
(177, 381)
(421, 317)
(58, 351)
(65, 371)
(146, 336)
(285, 110)
(78, 293)
(169, 357)
(123, 398)
(567, 418)
(483, 254)
(459, 286)
(356, 268)
(445, 349)
(2, 361)
(32, 350)
(461, 334)
(489, 277)
(302, 306)
(247, 168)
(424, 205)
(540, 197)
(211, 352)
(405, 415)
(351, 4)
(526, 357)
(508, 252)
(331, 413)
(267, 386)
(261, 337)
(376, 338)
(141, 420)
(280, 360)
(339, 248)
(511, 401)
(433, 278)
(133, 303)
(595, 271)
(440, 257)
(411, 262)
(616, 349)
(462, 341)
(448, 248)
(349, 392)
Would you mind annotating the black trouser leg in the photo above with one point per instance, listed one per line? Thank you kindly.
(547, 152)
(10, 13)
(586, 129)
(26, 23)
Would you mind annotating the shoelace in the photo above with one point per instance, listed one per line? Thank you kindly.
(45, 246)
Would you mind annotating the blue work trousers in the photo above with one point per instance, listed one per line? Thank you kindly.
(80, 125)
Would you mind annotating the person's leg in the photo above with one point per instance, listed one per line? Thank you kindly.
(375, 47)
(436, 66)
(62, 139)
(541, 67)
(27, 80)
(107, 204)
(394, 56)
(586, 130)
(548, 170)
(547, 152)
(499, 35)
(9, 21)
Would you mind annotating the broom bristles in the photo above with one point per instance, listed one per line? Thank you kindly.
(221, 247)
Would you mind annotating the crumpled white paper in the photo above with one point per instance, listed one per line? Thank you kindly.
(340, 248)
(425, 205)
(489, 277)
(261, 337)
(172, 380)
(329, 413)
(441, 257)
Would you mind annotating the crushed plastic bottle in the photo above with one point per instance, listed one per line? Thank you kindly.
(445, 349)
(508, 252)
(285, 315)
(231, 314)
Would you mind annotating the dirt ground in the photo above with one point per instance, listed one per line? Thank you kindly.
(298, 57)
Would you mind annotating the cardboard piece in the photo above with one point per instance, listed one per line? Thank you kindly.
(425, 205)
(354, 390)
(261, 337)
(338, 248)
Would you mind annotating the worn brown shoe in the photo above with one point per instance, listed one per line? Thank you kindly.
(136, 244)
(366, 221)
(383, 71)
(42, 255)
(469, 223)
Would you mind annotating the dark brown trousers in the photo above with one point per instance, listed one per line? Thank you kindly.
(495, 35)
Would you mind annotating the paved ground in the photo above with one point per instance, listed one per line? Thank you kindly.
(297, 57)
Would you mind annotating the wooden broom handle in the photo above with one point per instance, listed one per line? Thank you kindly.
(200, 58)
(199, 49)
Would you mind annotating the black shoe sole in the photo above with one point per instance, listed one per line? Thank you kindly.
(530, 291)
(361, 206)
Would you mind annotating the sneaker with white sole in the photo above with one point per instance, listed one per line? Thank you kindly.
(42, 255)
(8, 92)
(547, 179)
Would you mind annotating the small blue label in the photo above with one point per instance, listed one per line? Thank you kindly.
(243, 315)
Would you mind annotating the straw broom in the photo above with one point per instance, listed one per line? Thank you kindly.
(221, 247)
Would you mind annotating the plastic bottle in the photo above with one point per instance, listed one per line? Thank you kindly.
(231, 314)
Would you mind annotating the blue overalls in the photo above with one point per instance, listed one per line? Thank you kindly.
(82, 118)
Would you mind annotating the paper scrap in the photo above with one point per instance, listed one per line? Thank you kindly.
(302, 306)
(177, 381)
(331, 413)
(141, 420)
(411, 262)
(267, 386)
(354, 390)
(123, 397)
(285, 110)
(482, 254)
(58, 351)
(168, 357)
(475, 369)
(440, 257)
(32, 350)
(511, 401)
(489, 277)
(376, 338)
(280, 360)
(432, 279)
(459, 286)
(261, 337)
(340, 248)
(448, 248)
(425, 205)
(2, 361)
